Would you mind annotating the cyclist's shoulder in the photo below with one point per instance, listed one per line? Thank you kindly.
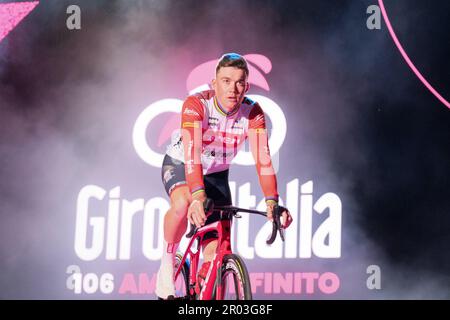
(197, 102)
(202, 96)
(249, 102)
(251, 106)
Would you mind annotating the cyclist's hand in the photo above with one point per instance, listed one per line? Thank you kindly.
(286, 219)
(196, 214)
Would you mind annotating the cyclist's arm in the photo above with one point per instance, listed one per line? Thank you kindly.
(259, 146)
(191, 126)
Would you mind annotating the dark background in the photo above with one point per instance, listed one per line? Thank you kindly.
(360, 123)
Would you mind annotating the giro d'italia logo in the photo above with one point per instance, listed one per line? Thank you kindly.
(197, 81)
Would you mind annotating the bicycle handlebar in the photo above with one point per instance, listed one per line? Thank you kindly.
(209, 208)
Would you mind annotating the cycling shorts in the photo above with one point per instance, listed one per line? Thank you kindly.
(216, 186)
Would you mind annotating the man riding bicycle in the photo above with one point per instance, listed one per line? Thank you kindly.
(214, 125)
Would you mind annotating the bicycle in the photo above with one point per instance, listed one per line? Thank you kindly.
(225, 262)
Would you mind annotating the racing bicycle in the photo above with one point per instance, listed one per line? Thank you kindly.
(227, 277)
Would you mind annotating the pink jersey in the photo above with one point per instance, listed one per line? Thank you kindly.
(210, 138)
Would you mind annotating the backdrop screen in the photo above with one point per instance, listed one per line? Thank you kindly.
(355, 95)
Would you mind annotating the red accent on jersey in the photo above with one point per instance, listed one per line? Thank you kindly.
(192, 132)
(259, 145)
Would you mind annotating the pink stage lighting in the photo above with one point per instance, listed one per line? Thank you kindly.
(12, 13)
(407, 59)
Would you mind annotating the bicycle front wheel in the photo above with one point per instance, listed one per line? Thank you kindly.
(235, 279)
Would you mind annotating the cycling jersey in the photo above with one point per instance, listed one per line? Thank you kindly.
(210, 138)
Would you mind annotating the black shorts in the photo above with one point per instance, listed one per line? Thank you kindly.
(216, 186)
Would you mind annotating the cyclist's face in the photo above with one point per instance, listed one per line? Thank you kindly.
(230, 86)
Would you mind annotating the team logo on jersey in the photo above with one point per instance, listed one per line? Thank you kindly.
(238, 125)
(191, 112)
(213, 122)
(168, 174)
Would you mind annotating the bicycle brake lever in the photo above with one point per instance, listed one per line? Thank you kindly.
(192, 231)
(281, 230)
(272, 237)
(276, 225)
(279, 224)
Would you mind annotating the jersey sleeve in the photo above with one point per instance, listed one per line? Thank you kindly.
(192, 115)
(259, 146)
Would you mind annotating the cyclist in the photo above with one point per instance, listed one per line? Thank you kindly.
(214, 125)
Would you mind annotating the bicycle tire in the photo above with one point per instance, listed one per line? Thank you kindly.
(182, 281)
(234, 265)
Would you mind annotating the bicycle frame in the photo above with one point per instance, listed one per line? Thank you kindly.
(213, 277)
